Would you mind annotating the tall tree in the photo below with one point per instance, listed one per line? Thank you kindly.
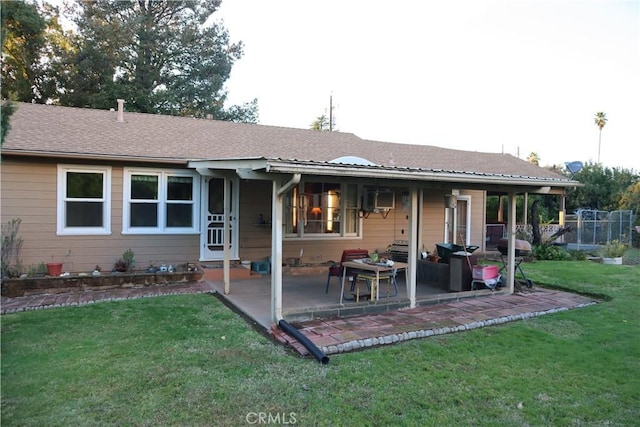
(600, 120)
(7, 109)
(533, 158)
(320, 123)
(161, 56)
(33, 43)
(602, 187)
(22, 42)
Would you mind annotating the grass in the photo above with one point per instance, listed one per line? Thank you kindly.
(189, 360)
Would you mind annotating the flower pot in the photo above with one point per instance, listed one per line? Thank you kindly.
(612, 261)
(54, 268)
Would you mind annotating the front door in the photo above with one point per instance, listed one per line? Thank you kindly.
(212, 238)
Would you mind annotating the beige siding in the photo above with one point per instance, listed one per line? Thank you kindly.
(29, 192)
(378, 232)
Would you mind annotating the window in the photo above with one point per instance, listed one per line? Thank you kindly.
(84, 202)
(458, 222)
(160, 202)
(325, 209)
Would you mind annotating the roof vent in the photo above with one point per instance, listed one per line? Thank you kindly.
(120, 110)
(352, 160)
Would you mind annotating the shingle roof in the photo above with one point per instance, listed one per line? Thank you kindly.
(51, 130)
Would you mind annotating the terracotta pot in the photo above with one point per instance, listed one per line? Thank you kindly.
(54, 268)
(434, 258)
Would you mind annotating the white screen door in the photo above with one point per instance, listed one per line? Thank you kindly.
(212, 238)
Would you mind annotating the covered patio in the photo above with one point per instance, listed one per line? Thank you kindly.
(336, 328)
(304, 298)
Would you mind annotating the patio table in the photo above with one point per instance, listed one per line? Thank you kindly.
(376, 267)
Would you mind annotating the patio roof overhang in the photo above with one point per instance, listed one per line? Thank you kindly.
(274, 169)
(496, 183)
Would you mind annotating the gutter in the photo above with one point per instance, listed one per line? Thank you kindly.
(470, 178)
(86, 156)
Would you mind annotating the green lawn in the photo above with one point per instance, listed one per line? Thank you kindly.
(189, 360)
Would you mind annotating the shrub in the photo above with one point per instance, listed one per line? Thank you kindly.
(578, 255)
(614, 249)
(550, 253)
(11, 246)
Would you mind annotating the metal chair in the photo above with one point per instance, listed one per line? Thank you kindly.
(336, 270)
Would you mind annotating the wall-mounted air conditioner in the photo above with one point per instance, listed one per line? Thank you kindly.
(385, 200)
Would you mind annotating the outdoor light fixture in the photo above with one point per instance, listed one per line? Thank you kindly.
(450, 201)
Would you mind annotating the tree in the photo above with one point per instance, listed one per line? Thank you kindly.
(600, 120)
(159, 56)
(22, 41)
(6, 111)
(320, 123)
(630, 199)
(533, 158)
(602, 187)
(32, 43)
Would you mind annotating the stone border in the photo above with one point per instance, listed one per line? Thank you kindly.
(34, 286)
(405, 336)
(100, 300)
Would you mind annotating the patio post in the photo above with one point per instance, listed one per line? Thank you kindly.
(412, 258)
(511, 235)
(226, 263)
(276, 244)
(276, 254)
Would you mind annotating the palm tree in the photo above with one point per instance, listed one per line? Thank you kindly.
(600, 120)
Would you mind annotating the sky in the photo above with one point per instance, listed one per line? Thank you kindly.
(515, 76)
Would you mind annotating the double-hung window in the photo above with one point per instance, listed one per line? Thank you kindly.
(84, 200)
(160, 202)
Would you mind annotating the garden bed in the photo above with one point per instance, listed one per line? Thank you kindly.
(52, 285)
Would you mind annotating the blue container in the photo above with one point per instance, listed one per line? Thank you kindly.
(262, 267)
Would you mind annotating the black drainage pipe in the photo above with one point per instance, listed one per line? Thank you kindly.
(313, 349)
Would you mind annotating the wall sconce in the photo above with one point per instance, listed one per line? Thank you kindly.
(450, 201)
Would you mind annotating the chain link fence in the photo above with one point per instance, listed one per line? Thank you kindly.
(592, 228)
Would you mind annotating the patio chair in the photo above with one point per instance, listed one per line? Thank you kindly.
(388, 277)
(335, 270)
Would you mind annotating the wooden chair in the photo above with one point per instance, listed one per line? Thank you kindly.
(336, 270)
(373, 285)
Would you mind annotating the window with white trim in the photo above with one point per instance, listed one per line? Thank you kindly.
(458, 222)
(84, 200)
(322, 209)
(160, 202)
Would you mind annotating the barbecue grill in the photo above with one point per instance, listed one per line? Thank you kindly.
(522, 249)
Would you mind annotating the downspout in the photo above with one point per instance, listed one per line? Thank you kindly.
(276, 272)
(295, 180)
(276, 245)
(306, 342)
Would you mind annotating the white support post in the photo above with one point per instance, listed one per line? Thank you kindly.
(420, 219)
(226, 264)
(276, 253)
(511, 235)
(412, 259)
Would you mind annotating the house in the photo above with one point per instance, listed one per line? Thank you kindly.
(90, 184)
